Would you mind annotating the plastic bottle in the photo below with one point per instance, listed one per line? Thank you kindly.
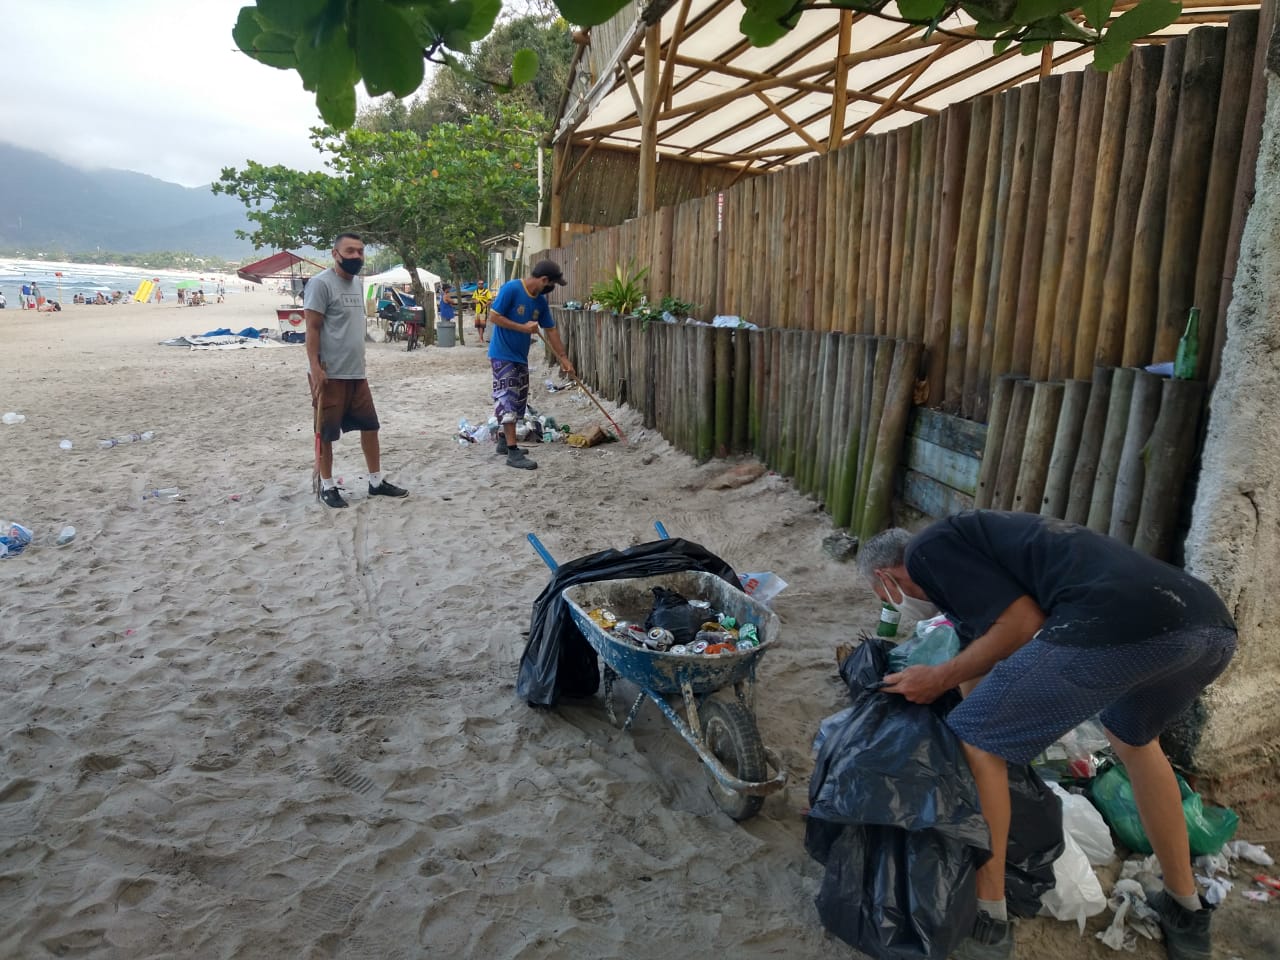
(889, 617)
(147, 436)
(67, 534)
(108, 443)
(12, 418)
(164, 493)
(1188, 355)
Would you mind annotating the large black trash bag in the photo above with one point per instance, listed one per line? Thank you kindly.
(557, 660)
(894, 815)
(671, 611)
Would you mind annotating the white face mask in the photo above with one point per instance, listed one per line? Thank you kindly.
(908, 607)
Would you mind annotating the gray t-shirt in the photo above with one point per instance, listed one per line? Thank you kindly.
(342, 333)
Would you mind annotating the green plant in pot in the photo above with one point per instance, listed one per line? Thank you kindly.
(680, 309)
(622, 292)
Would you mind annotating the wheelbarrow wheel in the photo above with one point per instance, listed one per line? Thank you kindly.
(731, 735)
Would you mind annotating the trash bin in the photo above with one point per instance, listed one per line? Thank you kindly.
(445, 330)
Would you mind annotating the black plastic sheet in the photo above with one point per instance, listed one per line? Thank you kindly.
(557, 660)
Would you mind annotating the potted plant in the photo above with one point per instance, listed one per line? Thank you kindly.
(622, 292)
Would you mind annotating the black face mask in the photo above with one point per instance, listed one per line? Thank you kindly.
(351, 265)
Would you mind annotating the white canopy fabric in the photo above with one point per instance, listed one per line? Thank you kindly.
(398, 275)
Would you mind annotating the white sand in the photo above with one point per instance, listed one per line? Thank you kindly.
(259, 728)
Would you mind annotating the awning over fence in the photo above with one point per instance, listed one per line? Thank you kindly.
(828, 81)
(277, 265)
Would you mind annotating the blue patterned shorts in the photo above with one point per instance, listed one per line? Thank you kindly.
(1033, 697)
(510, 390)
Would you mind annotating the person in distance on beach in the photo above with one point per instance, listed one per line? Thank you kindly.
(334, 306)
(1059, 623)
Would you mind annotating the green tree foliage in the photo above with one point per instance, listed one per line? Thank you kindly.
(431, 199)
(334, 45)
(453, 96)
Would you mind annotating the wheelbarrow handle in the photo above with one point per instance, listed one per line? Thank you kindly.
(662, 531)
(543, 552)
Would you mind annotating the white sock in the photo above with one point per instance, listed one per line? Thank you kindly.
(327, 483)
(1189, 902)
(375, 479)
(995, 909)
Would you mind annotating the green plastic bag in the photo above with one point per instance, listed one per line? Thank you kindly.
(934, 641)
(1208, 828)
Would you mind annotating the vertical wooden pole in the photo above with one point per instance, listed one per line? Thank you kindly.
(741, 441)
(874, 414)
(1167, 456)
(1011, 446)
(998, 419)
(937, 336)
(962, 278)
(1013, 249)
(646, 199)
(559, 153)
(847, 475)
(1046, 126)
(1131, 470)
(1066, 442)
(1104, 480)
(1037, 447)
(722, 350)
(890, 436)
(988, 219)
(1086, 466)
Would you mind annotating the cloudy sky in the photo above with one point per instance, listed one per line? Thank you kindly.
(155, 86)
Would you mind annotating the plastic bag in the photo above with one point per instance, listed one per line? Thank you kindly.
(1076, 894)
(762, 586)
(672, 612)
(1074, 753)
(1084, 824)
(557, 659)
(1035, 840)
(1208, 828)
(934, 641)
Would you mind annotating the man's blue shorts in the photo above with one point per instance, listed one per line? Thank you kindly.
(1033, 697)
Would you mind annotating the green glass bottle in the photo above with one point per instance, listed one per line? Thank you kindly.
(889, 617)
(1188, 358)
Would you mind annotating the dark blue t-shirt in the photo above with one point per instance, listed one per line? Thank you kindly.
(514, 303)
(1094, 589)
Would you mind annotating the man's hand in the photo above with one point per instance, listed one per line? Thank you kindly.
(566, 365)
(531, 327)
(919, 684)
(318, 380)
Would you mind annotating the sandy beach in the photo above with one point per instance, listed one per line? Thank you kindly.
(243, 725)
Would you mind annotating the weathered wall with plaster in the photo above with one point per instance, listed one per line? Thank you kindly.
(1234, 542)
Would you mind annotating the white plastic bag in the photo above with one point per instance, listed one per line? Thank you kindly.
(762, 586)
(1084, 823)
(1076, 894)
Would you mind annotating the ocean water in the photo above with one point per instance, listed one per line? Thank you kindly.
(89, 278)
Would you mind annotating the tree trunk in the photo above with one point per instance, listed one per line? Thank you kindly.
(419, 293)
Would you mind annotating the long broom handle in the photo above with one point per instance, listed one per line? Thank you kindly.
(621, 436)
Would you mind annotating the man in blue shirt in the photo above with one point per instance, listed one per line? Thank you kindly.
(518, 312)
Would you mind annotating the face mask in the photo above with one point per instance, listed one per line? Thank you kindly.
(351, 265)
(909, 607)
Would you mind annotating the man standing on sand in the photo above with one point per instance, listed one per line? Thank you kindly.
(517, 313)
(1059, 623)
(334, 305)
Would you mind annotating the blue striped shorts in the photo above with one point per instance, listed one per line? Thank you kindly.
(1033, 697)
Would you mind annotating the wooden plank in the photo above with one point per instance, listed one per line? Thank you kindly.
(932, 498)
(966, 437)
(946, 466)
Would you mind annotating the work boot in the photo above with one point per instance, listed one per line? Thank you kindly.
(332, 497)
(387, 489)
(1186, 933)
(520, 460)
(503, 449)
(990, 940)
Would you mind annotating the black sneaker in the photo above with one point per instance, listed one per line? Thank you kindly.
(990, 940)
(332, 497)
(387, 489)
(520, 460)
(502, 447)
(1186, 933)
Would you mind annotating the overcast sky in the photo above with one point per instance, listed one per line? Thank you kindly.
(155, 86)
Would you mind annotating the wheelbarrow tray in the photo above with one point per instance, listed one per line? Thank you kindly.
(664, 673)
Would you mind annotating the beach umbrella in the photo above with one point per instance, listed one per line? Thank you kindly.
(188, 284)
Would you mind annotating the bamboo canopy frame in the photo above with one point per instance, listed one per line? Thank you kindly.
(676, 79)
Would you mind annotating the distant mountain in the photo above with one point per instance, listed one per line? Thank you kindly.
(45, 203)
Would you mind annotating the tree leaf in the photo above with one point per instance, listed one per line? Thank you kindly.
(922, 10)
(1148, 17)
(989, 30)
(1029, 11)
(275, 50)
(588, 13)
(761, 29)
(1110, 52)
(1096, 12)
(290, 16)
(246, 30)
(1001, 45)
(387, 54)
(337, 104)
(1028, 47)
(524, 66)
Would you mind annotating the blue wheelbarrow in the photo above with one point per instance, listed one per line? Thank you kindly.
(721, 729)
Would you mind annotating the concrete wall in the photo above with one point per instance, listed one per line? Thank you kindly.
(1234, 542)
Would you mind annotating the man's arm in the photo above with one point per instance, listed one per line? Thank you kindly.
(557, 347)
(499, 320)
(1011, 631)
(315, 320)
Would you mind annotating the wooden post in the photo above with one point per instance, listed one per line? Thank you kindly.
(1037, 447)
(1188, 175)
(937, 334)
(1066, 441)
(741, 438)
(890, 436)
(646, 199)
(989, 216)
(1011, 447)
(1144, 275)
(558, 159)
(1037, 218)
(879, 395)
(998, 419)
(840, 410)
(1168, 456)
(847, 477)
(1013, 248)
(722, 348)
(1086, 466)
(962, 277)
(1104, 480)
(1131, 471)
(824, 413)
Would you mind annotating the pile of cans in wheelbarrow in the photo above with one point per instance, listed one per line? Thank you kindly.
(719, 634)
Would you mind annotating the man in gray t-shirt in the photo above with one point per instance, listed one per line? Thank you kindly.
(340, 393)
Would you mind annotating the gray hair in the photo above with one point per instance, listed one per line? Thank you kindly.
(887, 549)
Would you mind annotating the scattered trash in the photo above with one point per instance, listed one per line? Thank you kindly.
(65, 445)
(234, 497)
(144, 437)
(13, 419)
(1243, 850)
(164, 493)
(1085, 825)
(1268, 888)
(840, 546)
(591, 438)
(1133, 917)
(14, 540)
(935, 641)
(762, 586)
(737, 476)
(1075, 753)
(66, 535)
(1076, 894)
(1208, 828)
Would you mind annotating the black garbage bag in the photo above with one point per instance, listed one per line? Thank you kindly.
(671, 611)
(894, 816)
(557, 660)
